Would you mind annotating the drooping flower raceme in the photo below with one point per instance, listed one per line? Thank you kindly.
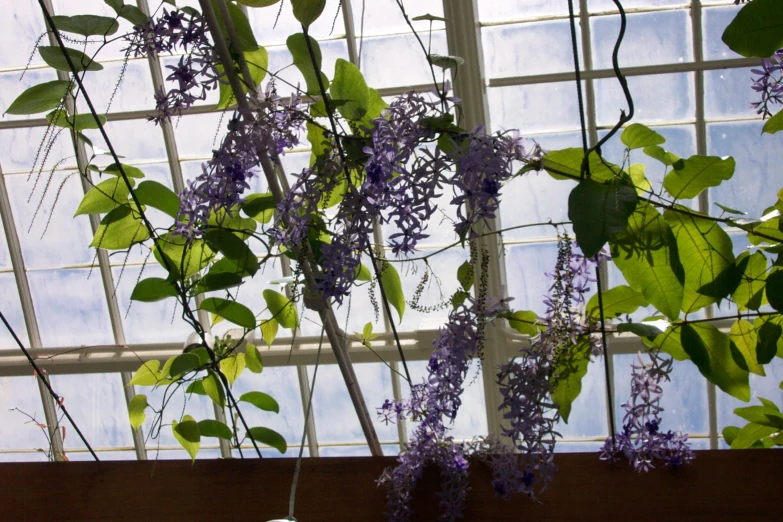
(769, 84)
(195, 74)
(642, 441)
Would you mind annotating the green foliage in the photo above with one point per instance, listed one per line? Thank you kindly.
(104, 197)
(598, 211)
(231, 311)
(146, 375)
(40, 98)
(445, 62)
(232, 248)
(638, 136)
(55, 58)
(525, 322)
(697, 173)
(268, 437)
(232, 367)
(121, 228)
(269, 330)
(667, 158)
(617, 301)
(182, 364)
(567, 374)
(651, 330)
(363, 273)
(774, 124)
(743, 340)
(260, 207)
(349, 88)
(214, 389)
(261, 401)
(247, 41)
(709, 350)
(188, 434)
(757, 30)
(136, 409)
(257, 63)
(465, 275)
(282, 309)
(213, 428)
(752, 268)
(307, 11)
(86, 25)
(297, 46)
(253, 359)
(183, 259)
(80, 122)
(392, 286)
(153, 289)
(748, 436)
(131, 172)
(155, 195)
(774, 290)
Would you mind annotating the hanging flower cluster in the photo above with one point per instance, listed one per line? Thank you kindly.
(195, 74)
(769, 84)
(642, 442)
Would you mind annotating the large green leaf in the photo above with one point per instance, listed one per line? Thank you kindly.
(770, 338)
(233, 248)
(131, 172)
(187, 434)
(268, 437)
(709, 350)
(749, 294)
(261, 401)
(153, 289)
(349, 87)
(670, 342)
(146, 375)
(253, 359)
(121, 228)
(567, 164)
(667, 158)
(136, 408)
(696, 174)
(297, 46)
(638, 136)
(750, 434)
(598, 211)
(308, 11)
(86, 25)
(392, 286)
(247, 41)
(525, 322)
(213, 428)
(55, 57)
(214, 389)
(567, 377)
(774, 290)
(230, 311)
(743, 340)
(40, 98)
(646, 253)
(774, 124)
(766, 415)
(179, 252)
(79, 122)
(757, 30)
(282, 309)
(232, 367)
(260, 207)
(617, 301)
(156, 195)
(104, 197)
(269, 331)
(130, 12)
(705, 251)
(184, 363)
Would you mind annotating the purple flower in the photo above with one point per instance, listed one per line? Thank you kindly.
(769, 84)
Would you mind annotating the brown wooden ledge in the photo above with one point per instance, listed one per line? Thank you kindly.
(719, 485)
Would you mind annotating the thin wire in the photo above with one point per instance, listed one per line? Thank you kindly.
(586, 172)
(361, 36)
(298, 468)
(54, 395)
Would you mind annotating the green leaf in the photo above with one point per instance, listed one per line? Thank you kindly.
(757, 30)
(731, 210)
(80, 122)
(750, 291)
(774, 290)
(743, 339)
(639, 180)
(297, 46)
(247, 41)
(86, 25)
(460, 297)
(232, 367)
(334, 196)
(120, 228)
(650, 329)
(307, 11)
(196, 387)
(215, 282)
(696, 174)
(567, 164)
(767, 415)
(131, 172)
(751, 434)
(260, 207)
(130, 12)
(349, 86)
(774, 124)
(253, 359)
(40, 98)
(146, 375)
(182, 364)
(375, 106)
(445, 62)
(567, 377)
(187, 434)
(617, 301)
(257, 64)
(709, 350)
(156, 195)
(667, 158)
(261, 401)
(390, 279)
(269, 331)
(638, 136)
(230, 311)
(670, 342)
(525, 322)
(268, 437)
(180, 253)
(769, 333)
(598, 211)
(283, 310)
(55, 58)
(705, 251)
(646, 253)
(153, 289)
(214, 389)
(465, 275)
(104, 197)
(213, 428)
(363, 273)
(136, 409)
(233, 248)
(429, 17)
(769, 224)
(730, 433)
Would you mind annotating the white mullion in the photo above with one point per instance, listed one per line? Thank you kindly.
(28, 310)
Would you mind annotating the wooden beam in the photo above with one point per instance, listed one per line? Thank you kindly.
(719, 485)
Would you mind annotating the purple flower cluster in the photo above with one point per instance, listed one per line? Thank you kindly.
(272, 128)
(769, 84)
(642, 442)
(195, 74)
(483, 163)
(432, 402)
